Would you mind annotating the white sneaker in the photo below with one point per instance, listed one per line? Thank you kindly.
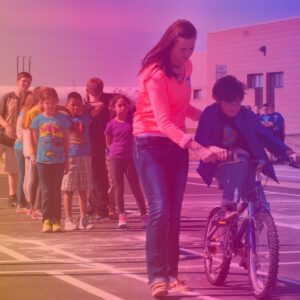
(85, 224)
(70, 225)
(122, 221)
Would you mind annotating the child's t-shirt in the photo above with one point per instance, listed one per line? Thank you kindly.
(50, 146)
(278, 122)
(122, 138)
(32, 113)
(231, 137)
(79, 136)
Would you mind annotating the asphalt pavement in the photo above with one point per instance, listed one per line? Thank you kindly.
(109, 263)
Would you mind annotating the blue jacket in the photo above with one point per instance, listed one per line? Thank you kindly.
(257, 136)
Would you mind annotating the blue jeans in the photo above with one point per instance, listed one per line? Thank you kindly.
(237, 180)
(21, 166)
(50, 176)
(162, 167)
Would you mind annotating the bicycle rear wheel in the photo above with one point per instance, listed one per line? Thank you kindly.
(217, 254)
(264, 257)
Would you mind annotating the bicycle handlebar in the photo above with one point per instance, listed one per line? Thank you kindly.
(244, 156)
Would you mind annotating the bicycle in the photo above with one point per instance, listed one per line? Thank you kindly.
(249, 233)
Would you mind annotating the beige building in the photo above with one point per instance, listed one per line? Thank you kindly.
(266, 57)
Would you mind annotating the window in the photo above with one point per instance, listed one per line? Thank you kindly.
(221, 71)
(276, 79)
(197, 94)
(255, 80)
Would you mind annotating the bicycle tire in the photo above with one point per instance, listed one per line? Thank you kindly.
(263, 275)
(210, 257)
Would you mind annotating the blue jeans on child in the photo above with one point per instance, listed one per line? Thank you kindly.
(50, 176)
(237, 179)
(21, 166)
(162, 167)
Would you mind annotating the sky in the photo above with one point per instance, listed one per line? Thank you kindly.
(70, 41)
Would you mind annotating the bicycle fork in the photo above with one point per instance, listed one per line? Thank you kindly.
(251, 230)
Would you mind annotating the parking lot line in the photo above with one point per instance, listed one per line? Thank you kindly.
(83, 286)
(14, 254)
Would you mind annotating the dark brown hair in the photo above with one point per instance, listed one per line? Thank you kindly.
(228, 89)
(73, 95)
(160, 53)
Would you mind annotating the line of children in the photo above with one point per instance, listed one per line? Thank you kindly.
(119, 140)
(55, 154)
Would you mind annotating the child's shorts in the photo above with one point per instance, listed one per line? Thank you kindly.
(79, 177)
(11, 163)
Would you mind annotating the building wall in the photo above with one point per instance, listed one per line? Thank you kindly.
(238, 50)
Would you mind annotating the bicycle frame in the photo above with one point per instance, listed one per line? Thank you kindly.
(256, 203)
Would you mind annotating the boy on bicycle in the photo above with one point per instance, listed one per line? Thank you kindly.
(227, 124)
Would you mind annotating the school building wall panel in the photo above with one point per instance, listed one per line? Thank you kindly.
(240, 51)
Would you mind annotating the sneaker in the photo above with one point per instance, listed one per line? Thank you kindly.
(70, 225)
(12, 201)
(159, 289)
(85, 224)
(29, 212)
(47, 226)
(21, 210)
(122, 221)
(179, 286)
(144, 220)
(36, 215)
(56, 226)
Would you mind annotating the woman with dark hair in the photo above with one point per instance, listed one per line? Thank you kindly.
(161, 149)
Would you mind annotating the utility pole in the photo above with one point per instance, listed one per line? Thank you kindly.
(18, 64)
(29, 65)
(24, 63)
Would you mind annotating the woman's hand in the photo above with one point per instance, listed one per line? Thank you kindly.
(221, 153)
(204, 154)
(207, 156)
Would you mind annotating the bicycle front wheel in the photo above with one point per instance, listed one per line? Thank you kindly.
(263, 256)
(217, 254)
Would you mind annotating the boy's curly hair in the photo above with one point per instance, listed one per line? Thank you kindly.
(228, 89)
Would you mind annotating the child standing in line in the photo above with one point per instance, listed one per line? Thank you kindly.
(50, 130)
(119, 139)
(113, 215)
(79, 176)
(32, 108)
